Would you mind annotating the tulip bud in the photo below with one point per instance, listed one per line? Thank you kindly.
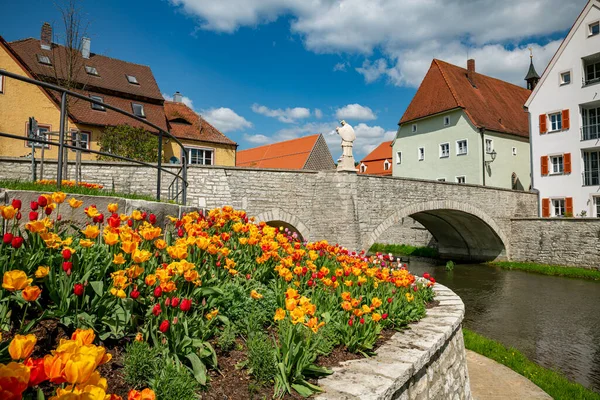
(174, 302)
(167, 302)
(350, 322)
(384, 316)
(47, 210)
(152, 219)
(42, 201)
(16, 203)
(389, 300)
(156, 310)
(135, 294)
(8, 237)
(130, 223)
(164, 326)
(33, 215)
(17, 242)
(78, 289)
(432, 279)
(157, 292)
(362, 321)
(67, 266)
(58, 217)
(180, 232)
(19, 216)
(426, 275)
(34, 205)
(185, 305)
(66, 254)
(144, 215)
(333, 278)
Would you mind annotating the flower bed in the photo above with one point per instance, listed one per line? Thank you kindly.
(167, 302)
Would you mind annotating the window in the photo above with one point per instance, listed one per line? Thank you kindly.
(592, 72)
(444, 150)
(138, 109)
(202, 156)
(98, 106)
(421, 153)
(42, 134)
(84, 139)
(591, 168)
(386, 165)
(594, 28)
(591, 123)
(565, 78)
(461, 147)
(556, 163)
(132, 79)
(596, 207)
(1, 84)
(398, 157)
(461, 179)
(441, 179)
(91, 70)
(446, 121)
(414, 128)
(489, 145)
(363, 168)
(558, 207)
(514, 151)
(43, 59)
(555, 122)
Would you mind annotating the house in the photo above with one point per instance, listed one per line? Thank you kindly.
(564, 111)
(122, 84)
(464, 127)
(377, 162)
(309, 152)
(205, 144)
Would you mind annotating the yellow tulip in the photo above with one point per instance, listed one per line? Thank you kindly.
(31, 293)
(160, 244)
(83, 336)
(140, 256)
(59, 197)
(128, 246)
(91, 231)
(110, 238)
(8, 212)
(74, 203)
(79, 368)
(86, 243)
(42, 272)
(92, 212)
(21, 346)
(119, 259)
(137, 215)
(255, 295)
(113, 208)
(120, 293)
(13, 380)
(15, 280)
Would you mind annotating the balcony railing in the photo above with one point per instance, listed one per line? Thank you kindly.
(591, 177)
(587, 82)
(589, 132)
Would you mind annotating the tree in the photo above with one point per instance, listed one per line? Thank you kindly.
(128, 141)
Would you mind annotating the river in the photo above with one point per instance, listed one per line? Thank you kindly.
(554, 321)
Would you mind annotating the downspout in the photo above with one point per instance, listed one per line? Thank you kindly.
(482, 132)
(531, 162)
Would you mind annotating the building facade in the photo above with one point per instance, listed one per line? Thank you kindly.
(377, 162)
(564, 113)
(464, 127)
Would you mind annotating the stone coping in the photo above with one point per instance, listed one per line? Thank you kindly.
(406, 354)
(555, 219)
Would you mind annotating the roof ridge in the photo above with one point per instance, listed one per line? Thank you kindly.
(278, 156)
(483, 75)
(452, 91)
(283, 141)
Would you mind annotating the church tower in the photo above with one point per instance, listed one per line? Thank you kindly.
(532, 77)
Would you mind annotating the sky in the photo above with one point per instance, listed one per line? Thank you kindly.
(262, 71)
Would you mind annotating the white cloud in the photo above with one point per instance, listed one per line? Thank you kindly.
(408, 33)
(289, 115)
(318, 113)
(185, 100)
(258, 139)
(225, 119)
(355, 112)
(341, 66)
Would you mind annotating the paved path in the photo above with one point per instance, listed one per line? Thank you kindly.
(493, 381)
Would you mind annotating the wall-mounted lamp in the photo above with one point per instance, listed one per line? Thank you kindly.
(493, 154)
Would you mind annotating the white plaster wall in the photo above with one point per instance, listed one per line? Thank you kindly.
(499, 173)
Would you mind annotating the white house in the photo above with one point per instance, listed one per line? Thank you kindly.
(564, 110)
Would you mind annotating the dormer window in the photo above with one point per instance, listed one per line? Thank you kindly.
(386, 165)
(97, 106)
(363, 168)
(138, 110)
(594, 28)
(91, 70)
(43, 59)
(132, 79)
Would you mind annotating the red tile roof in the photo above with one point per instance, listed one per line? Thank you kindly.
(375, 160)
(488, 102)
(381, 152)
(291, 154)
(184, 123)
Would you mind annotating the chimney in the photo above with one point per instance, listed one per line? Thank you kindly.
(46, 37)
(86, 44)
(178, 97)
(470, 69)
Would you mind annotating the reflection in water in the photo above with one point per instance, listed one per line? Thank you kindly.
(554, 321)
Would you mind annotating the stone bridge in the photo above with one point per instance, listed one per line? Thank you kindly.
(469, 222)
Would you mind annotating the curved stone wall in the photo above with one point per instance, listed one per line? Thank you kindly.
(426, 361)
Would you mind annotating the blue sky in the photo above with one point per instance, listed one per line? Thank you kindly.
(268, 70)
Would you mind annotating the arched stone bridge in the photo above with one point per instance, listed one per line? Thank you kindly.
(469, 222)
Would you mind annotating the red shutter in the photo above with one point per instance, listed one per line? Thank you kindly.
(567, 161)
(566, 121)
(545, 208)
(543, 124)
(544, 161)
(569, 206)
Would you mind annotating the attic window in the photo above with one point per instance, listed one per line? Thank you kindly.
(43, 59)
(97, 106)
(386, 165)
(132, 79)
(91, 70)
(594, 28)
(138, 109)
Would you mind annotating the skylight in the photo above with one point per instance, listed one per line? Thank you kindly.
(43, 59)
(132, 79)
(91, 70)
(138, 109)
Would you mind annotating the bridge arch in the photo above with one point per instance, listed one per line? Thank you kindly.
(463, 231)
(277, 217)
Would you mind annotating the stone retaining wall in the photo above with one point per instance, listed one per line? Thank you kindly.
(557, 241)
(425, 362)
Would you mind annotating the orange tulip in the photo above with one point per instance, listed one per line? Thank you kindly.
(14, 378)
(31, 293)
(146, 394)
(74, 203)
(21, 346)
(83, 336)
(42, 272)
(15, 280)
(113, 208)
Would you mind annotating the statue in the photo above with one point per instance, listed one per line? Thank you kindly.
(346, 132)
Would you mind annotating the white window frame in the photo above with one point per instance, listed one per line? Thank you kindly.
(591, 26)
(363, 168)
(490, 148)
(85, 138)
(143, 112)
(29, 144)
(413, 129)
(551, 164)
(96, 106)
(441, 179)
(458, 178)
(421, 153)
(447, 120)
(189, 156)
(458, 153)
(553, 206)
(561, 78)
(387, 165)
(41, 59)
(559, 120)
(91, 70)
(514, 151)
(398, 157)
(132, 79)
(442, 154)
(595, 206)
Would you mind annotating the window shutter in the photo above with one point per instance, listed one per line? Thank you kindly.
(567, 161)
(545, 208)
(566, 121)
(569, 205)
(544, 162)
(543, 124)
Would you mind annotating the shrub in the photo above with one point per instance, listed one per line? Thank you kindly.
(140, 364)
(226, 339)
(262, 363)
(174, 381)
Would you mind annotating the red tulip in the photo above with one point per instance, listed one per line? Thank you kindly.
(157, 292)
(310, 282)
(384, 316)
(350, 322)
(333, 278)
(19, 216)
(167, 302)
(66, 254)
(17, 242)
(156, 310)
(16, 203)
(47, 210)
(130, 223)
(164, 326)
(426, 275)
(67, 266)
(144, 215)
(37, 374)
(180, 232)
(8, 237)
(34, 205)
(78, 289)
(389, 299)
(58, 217)
(152, 219)
(174, 302)
(432, 279)
(415, 288)
(185, 305)
(33, 215)
(135, 294)
(362, 321)
(114, 222)
(42, 201)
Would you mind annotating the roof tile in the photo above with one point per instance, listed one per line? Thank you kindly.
(187, 124)
(291, 154)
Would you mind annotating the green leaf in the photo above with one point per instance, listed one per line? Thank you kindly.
(40, 395)
(316, 371)
(198, 368)
(302, 390)
(98, 287)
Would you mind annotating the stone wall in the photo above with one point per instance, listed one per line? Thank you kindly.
(557, 241)
(425, 362)
(408, 231)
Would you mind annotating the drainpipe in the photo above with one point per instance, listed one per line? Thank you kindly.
(482, 132)
(531, 174)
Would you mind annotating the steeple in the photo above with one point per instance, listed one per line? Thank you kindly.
(532, 77)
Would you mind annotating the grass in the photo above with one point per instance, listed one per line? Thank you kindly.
(39, 187)
(404, 250)
(553, 383)
(555, 270)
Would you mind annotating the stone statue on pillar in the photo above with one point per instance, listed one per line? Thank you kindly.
(346, 132)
